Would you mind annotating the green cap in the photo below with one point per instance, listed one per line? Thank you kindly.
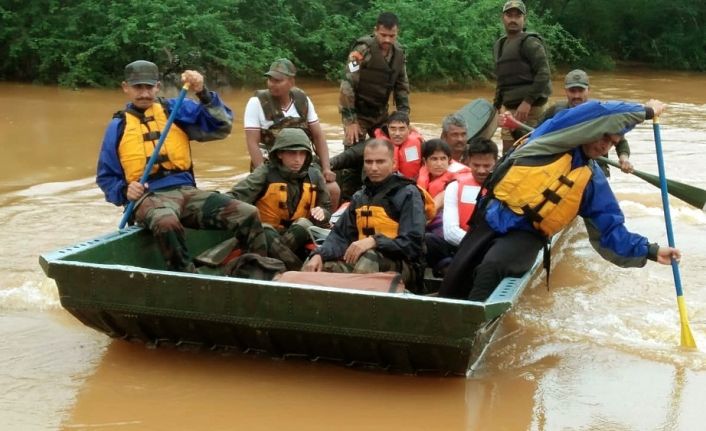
(141, 72)
(576, 78)
(515, 4)
(291, 139)
(281, 69)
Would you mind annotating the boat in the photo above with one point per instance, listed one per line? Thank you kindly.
(117, 284)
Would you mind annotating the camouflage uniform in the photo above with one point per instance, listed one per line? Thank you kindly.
(404, 253)
(523, 75)
(167, 212)
(172, 200)
(289, 239)
(368, 117)
(373, 261)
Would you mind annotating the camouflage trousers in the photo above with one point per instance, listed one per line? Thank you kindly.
(289, 243)
(373, 261)
(167, 212)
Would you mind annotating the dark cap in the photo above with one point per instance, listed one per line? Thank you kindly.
(141, 72)
(281, 69)
(576, 78)
(515, 4)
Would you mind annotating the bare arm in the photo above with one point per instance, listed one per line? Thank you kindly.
(252, 139)
(321, 147)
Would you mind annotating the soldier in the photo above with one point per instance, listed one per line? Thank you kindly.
(577, 90)
(522, 71)
(169, 200)
(383, 227)
(289, 192)
(282, 105)
(375, 70)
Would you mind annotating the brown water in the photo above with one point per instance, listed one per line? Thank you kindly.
(599, 351)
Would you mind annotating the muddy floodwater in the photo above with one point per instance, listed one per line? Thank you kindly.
(598, 350)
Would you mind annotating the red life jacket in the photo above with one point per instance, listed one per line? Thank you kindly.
(467, 194)
(438, 184)
(408, 155)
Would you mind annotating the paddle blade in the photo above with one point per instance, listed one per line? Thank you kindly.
(694, 196)
(687, 339)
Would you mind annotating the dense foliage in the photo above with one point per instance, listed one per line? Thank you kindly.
(448, 42)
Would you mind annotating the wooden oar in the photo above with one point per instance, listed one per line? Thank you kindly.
(155, 153)
(687, 340)
(692, 195)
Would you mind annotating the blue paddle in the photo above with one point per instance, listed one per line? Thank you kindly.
(155, 153)
(687, 340)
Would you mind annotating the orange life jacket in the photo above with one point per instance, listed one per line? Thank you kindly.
(438, 184)
(549, 195)
(467, 195)
(142, 132)
(408, 155)
(372, 217)
(273, 207)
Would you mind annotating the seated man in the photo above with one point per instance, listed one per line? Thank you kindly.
(454, 132)
(407, 145)
(289, 192)
(383, 227)
(169, 200)
(283, 105)
(540, 188)
(459, 202)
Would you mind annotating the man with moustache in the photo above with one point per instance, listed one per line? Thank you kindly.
(540, 188)
(375, 70)
(282, 105)
(169, 201)
(454, 131)
(521, 69)
(383, 227)
(577, 89)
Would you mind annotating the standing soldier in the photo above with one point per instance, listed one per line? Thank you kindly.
(375, 69)
(522, 71)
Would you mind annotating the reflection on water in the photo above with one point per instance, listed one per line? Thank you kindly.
(596, 351)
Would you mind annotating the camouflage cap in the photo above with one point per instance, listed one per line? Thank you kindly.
(515, 4)
(291, 139)
(576, 78)
(141, 72)
(281, 69)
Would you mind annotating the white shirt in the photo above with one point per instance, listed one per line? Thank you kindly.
(453, 233)
(254, 117)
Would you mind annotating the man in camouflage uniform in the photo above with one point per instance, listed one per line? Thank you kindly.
(375, 70)
(383, 227)
(169, 200)
(522, 71)
(283, 105)
(290, 194)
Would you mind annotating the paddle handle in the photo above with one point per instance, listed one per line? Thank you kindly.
(155, 153)
(665, 201)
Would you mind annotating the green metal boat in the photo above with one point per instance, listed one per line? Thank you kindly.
(117, 284)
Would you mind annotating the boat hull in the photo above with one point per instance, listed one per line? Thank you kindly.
(116, 284)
